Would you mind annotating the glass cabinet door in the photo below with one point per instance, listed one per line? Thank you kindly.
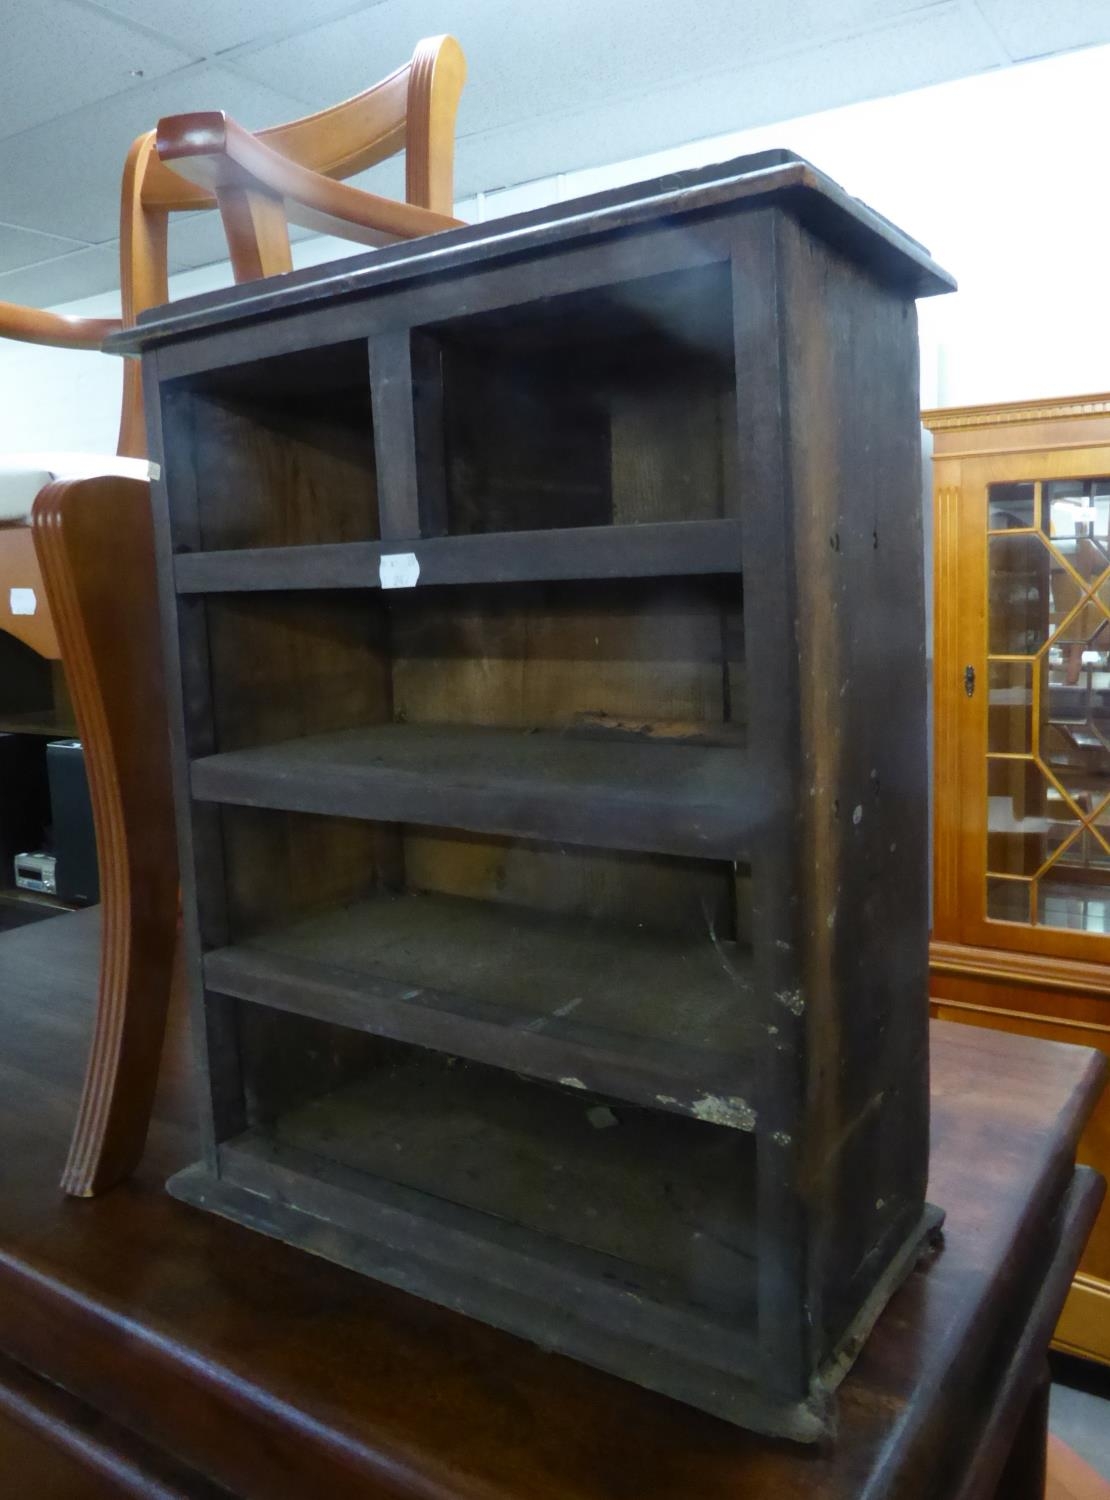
(1048, 709)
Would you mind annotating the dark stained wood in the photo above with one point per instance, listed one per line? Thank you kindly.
(189, 700)
(528, 443)
(605, 404)
(392, 385)
(617, 790)
(685, 1290)
(649, 659)
(602, 1202)
(713, 361)
(426, 364)
(276, 1374)
(584, 269)
(841, 221)
(286, 666)
(1047, 1013)
(653, 550)
(761, 501)
(657, 1020)
(1025, 1466)
(57, 1448)
(851, 390)
(284, 472)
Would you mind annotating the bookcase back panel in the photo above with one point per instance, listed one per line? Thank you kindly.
(283, 865)
(282, 451)
(640, 657)
(287, 665)
(654, 892)
(279, 866)
(659, 656)
(650, 1204)
(594, 408)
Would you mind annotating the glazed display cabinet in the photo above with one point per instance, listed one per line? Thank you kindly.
(1021, 935)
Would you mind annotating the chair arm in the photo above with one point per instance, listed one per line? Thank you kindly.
(31, 325)
(212, 150)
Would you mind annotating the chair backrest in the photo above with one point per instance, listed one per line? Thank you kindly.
(292, 172)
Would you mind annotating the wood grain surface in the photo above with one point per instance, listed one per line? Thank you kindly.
(276, 1374)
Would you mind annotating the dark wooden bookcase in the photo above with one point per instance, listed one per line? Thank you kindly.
(544, 606)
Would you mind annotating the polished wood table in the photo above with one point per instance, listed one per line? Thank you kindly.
(152, 1350)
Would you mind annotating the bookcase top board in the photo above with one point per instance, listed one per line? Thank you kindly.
(764, 179)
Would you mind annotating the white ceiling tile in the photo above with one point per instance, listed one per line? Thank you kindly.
(199, 240)
(926, 48)
(22, 247)
(210, 27)
(581, 53)
(63, 177)
(387, 179)
(196, 240)
(1035, 28)
(551, 88)
(58, 56)
(79, 274)
(332, 62)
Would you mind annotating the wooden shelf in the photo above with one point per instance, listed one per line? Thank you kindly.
(656, 549)
(654, 1019)
(614, 792)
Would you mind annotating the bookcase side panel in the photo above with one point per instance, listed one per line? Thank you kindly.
(200, 853)
(852, 390)
(761, 495)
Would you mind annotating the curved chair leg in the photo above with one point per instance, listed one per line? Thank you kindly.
(94, 540)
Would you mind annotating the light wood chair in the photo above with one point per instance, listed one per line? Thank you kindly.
(92, 561)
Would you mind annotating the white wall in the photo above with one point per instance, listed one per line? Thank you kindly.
(1002, 176)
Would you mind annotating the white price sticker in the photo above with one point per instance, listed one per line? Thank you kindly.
(22, 601)
(399, 570)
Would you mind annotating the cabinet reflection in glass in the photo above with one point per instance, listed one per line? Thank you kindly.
(1048, 714)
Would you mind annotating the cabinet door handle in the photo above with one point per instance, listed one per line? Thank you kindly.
(969, 681)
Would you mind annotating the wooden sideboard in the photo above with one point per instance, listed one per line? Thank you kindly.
(1021, 929)
(152, 1351)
